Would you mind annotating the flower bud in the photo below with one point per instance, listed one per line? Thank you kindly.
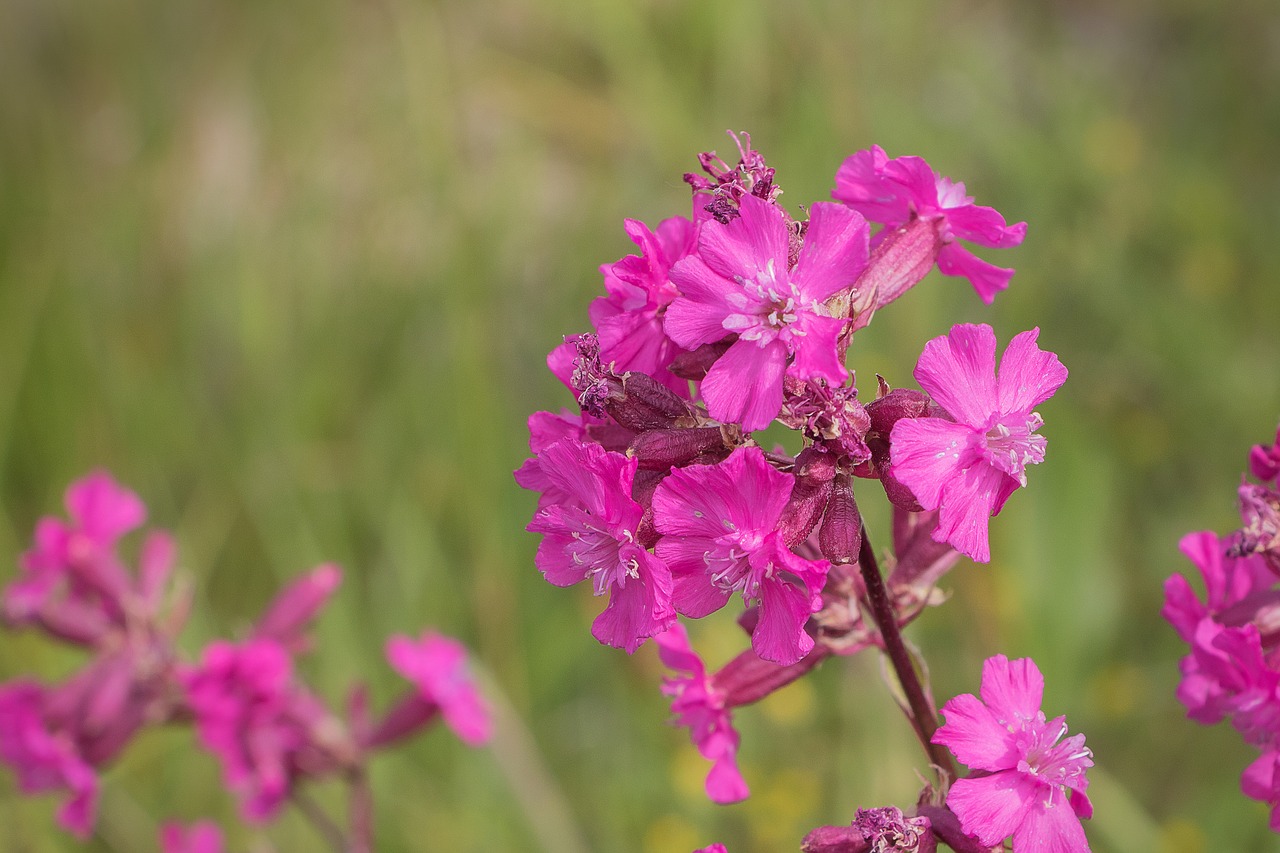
(297, 604)
(660, 449)
(815, 469)
(841, 535)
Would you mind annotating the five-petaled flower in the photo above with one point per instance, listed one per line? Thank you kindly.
(1032, 783)
(967, 467)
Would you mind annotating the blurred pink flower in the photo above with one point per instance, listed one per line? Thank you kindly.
(967, 468)
(1030, 785)
(437, 667)
(201, 837)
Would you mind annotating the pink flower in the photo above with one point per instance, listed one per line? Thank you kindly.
(77, 562)
(437, 666)
(967, 469)
(639, 289)
(46, 754)
(294, 607)
(255, 718)
(903, 190)
(741, 282)
(699, 706)
(201, 837)
(1033, 786)
(591, 534)
(720, 536)
(1261, 781)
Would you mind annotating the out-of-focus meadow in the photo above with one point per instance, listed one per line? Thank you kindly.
(290, 271)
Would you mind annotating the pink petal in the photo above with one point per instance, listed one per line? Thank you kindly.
(918, 180)
(835, 251)
(1050, 827)
(1028, 374)
(697, 316)
(639, 608)
(992, 808)
(984, 226)
(968, 502)
(759, 492)
(861, 184)
(779, 636)
(696, 596)
(1013, 690)
(987, 279)
(928, 453)
(975, 735)
(104, 509)
(958, 370)
(745, 385)
(725, 783)
(816, 354)
(745, 246)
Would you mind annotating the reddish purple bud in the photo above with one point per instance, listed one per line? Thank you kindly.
(835, 839)
(815, 469)
(661, 449)
(841, 533)
(890, 408)
(902, 259)
(920, 561)
(74, 621)
(1264, 461)
(748, 678)
(695, 364)
(635, 400)
(406, 717)
(946, 827)
(288, 616)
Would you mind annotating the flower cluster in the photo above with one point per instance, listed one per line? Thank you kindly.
(270, 732)
(1233, 670)
(659, 491)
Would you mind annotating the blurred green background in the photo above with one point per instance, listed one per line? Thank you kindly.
(290, 270)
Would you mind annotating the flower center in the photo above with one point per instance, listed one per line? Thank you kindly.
(595, 548)
(729, 563)
(766, 308)
(1011, 447)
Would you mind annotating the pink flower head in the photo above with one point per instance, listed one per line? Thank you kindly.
(742, 283)
(699, 706)
(1032, 786)
(639, 289)
(1261, 781)
(896, 192)
(77, 562)
(254, 717)
(967, 469)
(591, 534)
(720, 536)
(45, 755)
(437, 666)
(290, 613)
(203, 836)
(1264, 460)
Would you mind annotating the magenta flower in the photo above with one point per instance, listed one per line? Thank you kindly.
(591, 534)
(77, 562)
(967, 468)
(905, 189)
(1261, 781)
(255, 718)
(720, 536)
(1032, 786)
(699, 706)
(437, 666)
(741, 283)
(203, 836)
(639, 289)
(46, 755)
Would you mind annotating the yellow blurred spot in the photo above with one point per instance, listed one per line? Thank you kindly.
(1112, 146)
(1180, 835)
(791, 705)
(689, 772)
(1208, 270)
(1116, 689)
(672, 832)
(783, 802)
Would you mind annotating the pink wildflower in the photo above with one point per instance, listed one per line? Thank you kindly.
(639, 289)
(251, 714)
(437, 666)
(1264, 460)
(77, 563)
(967, 469)
(46, 754)
(1261, 781)
(698, 705)
(201, 837)
(1032, 787)
(591, 534)
(741, 282)
(906, 190)
(720, 536)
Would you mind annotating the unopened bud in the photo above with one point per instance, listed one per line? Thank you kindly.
(748, 678)
(841, 535)
(660, 449)
(835, 839)
(695, 364)
(815, 469)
